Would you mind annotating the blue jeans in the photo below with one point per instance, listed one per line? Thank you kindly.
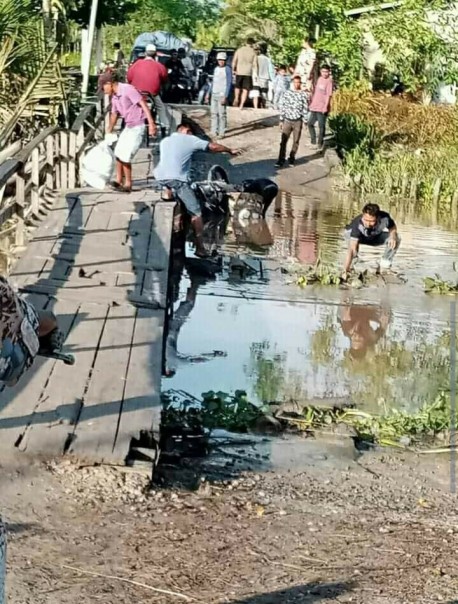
(382, 239)
(219, 116)
(185, 194)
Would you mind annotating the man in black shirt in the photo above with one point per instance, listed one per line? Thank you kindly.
(373, 227)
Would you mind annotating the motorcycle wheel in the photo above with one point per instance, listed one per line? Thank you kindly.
(217, 173)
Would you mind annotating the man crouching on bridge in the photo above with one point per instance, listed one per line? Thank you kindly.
(176, 152)
(372, 227)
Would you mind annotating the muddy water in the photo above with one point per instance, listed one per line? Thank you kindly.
(386, 345)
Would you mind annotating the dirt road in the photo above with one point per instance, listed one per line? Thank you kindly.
(377, 528)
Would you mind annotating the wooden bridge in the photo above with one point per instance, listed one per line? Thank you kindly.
(100, 261)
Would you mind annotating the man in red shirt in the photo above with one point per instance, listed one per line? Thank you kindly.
(148, 76)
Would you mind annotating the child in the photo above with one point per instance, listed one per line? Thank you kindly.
(281, 84)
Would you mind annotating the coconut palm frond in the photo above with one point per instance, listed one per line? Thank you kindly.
(31, 85)
(237, 26)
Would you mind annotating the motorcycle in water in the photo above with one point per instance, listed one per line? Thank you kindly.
(219, 200)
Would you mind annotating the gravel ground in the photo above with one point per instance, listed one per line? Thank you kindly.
(380, 529)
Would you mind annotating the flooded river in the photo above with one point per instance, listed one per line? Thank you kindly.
(385, 345)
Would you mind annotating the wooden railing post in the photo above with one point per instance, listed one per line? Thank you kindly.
(50, 163)
(72, 161)
(79, 146)
(64, 160)
(56, 165)
(20, 206)
(35, 176)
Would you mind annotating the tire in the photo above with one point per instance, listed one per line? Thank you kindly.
(217, 173)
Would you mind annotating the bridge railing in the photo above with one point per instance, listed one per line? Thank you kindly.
(51, 161)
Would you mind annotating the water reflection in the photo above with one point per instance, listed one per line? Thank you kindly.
(364, 326)
(387, 346)
(178, 315)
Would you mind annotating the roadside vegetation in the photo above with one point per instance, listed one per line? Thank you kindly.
(427, 429)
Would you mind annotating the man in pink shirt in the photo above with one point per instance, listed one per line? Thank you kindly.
(320, 106)
(148, 76)
(128, 103)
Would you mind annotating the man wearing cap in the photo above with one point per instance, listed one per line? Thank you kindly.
(148, 76)
(220, 90)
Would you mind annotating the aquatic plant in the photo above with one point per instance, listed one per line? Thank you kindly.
(390, 429)
(437, 285)
(234, 412)
(327, 274)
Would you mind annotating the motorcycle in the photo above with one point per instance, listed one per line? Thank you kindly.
(219, 199)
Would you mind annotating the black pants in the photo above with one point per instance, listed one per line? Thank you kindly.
(314, 117)
(288, 128)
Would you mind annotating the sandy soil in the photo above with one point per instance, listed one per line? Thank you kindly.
(380, 528)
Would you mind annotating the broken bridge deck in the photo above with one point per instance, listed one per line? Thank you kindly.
(100, 261)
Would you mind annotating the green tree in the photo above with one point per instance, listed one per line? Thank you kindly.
(238, 23)
(110, 12)
(180, 17)
(419, 41)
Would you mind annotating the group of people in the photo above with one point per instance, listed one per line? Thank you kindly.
(176, 150)
(298, 93)
(307, 101)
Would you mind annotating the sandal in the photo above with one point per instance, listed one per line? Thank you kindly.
(115, 185)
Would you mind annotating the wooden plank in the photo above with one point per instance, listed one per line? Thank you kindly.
(17, 404)
(159, 250)
(98, 423)
(141, 408)
(155, 284)
(54, 418)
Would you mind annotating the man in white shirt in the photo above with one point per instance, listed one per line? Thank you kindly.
(306, 63)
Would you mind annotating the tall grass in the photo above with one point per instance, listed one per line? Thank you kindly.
(392, 146)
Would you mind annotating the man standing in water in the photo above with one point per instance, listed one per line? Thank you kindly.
(372, 227)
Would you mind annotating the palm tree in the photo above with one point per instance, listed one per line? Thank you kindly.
(31, 86)
(238, 24)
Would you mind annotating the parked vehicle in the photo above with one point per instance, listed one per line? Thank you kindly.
(164, 41)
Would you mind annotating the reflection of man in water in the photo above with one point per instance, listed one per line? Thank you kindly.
(364, 325)
(173, 359)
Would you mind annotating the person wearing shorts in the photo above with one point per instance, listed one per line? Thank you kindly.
(175, 155)
(243, 65)
(128, 103)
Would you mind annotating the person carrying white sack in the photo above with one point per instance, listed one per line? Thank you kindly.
(128, 103)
